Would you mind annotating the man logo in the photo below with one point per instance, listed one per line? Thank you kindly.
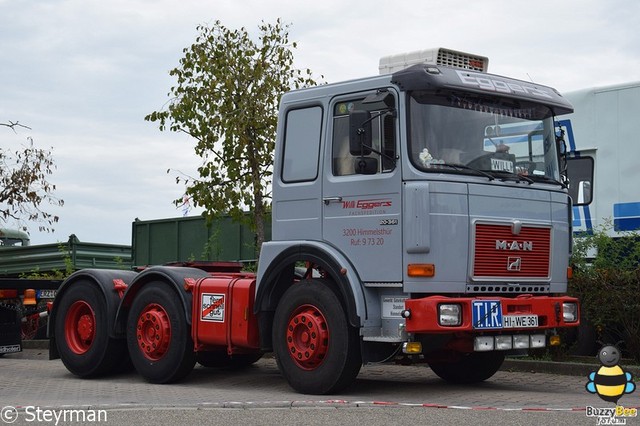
(513, 264)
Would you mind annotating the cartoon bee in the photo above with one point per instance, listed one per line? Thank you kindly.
(610, 382)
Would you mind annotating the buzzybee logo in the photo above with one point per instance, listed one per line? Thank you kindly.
(610, 383)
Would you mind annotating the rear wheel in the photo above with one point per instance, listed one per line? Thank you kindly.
(317, 350)
(82, 334)
(469, 368)
(158, 335)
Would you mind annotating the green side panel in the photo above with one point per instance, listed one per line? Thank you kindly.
(189, 238)
(47, 258)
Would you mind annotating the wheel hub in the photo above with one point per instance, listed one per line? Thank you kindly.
(80, 327)
(307, 337)
(85, 327)
(153, 332)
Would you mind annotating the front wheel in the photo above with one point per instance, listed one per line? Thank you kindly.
(317, 350)
(158, 335)
(468, 368)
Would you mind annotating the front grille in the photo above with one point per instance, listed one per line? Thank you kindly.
(499, 254)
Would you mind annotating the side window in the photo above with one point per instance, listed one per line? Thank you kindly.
(302, 144)
(580, 174)
(383, 132)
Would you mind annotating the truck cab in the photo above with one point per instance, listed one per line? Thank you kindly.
(13, 238)
(432, 196)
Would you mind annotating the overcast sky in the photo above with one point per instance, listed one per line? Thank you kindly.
(84, 73)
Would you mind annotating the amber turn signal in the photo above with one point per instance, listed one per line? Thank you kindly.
(29, 297)
(421, 270)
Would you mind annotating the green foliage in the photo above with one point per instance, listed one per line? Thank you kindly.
(212, 248)
(226, 97)
(607, 282)
(35, 274)
(118, 260)
(24, 185)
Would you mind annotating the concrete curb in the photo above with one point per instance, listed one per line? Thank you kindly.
(563, 368)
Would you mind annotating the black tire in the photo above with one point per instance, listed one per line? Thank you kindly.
(158, 335)
(220, 359)
(320, 363)
(82, 334)
(468, 368)
(583, 339)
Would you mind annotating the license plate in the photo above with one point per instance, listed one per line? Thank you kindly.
(520, 321)
(486, 314)
(47, 294)
(10, 349)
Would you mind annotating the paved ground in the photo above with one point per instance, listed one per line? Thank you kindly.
(30, 379)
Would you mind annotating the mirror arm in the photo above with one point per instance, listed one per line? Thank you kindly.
(394, 114)
(391, 111)
(381, 154)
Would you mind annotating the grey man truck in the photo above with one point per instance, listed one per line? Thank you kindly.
(420, 215)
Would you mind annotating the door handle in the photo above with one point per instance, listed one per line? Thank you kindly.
(328, 200)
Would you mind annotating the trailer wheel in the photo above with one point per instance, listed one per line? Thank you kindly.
(470, 368)
(158, 336)
(82, 335)
(220, 359)
(316, 349)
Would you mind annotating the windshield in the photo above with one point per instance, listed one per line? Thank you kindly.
(493, 135)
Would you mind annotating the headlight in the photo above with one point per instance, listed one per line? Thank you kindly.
(503, 343)
(570, 312)
(449, 315)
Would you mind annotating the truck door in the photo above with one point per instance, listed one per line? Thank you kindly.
(361, 212)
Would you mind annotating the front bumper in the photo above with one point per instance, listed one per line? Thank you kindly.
(422, 315)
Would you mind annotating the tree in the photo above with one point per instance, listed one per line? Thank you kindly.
(226, 97)
(24, 187)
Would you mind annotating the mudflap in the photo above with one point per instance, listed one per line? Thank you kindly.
(10, 338)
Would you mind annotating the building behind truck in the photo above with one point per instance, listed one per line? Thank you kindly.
(419, 215)
(604, 165)
(603, 168)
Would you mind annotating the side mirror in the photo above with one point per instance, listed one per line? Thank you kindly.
(360, 137)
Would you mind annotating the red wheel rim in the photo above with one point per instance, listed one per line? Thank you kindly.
(307, 337)
(153, 332)
(80, 327)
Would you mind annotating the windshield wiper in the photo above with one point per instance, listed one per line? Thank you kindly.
(513, 176)
(458, 166)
